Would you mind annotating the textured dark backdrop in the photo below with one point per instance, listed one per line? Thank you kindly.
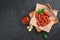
(11, 12)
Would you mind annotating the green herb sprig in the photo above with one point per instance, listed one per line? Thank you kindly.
(41, 11)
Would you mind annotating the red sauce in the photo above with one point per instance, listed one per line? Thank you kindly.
(42, 19)
(25, 20)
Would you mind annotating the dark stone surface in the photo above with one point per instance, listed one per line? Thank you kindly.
(11, 12)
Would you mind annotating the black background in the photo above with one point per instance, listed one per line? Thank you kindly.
(11, 13)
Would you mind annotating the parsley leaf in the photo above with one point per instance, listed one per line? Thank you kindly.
(39, 11)
(42, 10)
